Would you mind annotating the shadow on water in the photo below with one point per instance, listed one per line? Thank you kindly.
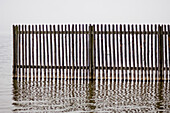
(90, 96)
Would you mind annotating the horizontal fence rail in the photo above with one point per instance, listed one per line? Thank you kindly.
(133, 52)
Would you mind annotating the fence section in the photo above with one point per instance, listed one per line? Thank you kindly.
(134, 52)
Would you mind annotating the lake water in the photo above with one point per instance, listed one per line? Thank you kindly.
(77, 95)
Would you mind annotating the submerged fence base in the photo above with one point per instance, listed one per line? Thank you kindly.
(127, 52)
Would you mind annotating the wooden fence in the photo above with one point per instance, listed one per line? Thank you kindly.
(133, 52)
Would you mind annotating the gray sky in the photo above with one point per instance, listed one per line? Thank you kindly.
(82, 11)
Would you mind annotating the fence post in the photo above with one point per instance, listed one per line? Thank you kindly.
(161, 60)
(91, 52)
(15, 45)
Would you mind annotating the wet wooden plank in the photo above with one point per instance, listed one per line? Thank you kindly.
(51, 48)
(55, 50)
(105, 38)
(125, 51)
(137, 56)
(121, 52)
(129, 47)
(110, 58)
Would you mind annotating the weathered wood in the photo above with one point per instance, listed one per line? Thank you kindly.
(44, 58)
(87, 47)
(156, 52)
(102, 57)
(33, 48)
(51, 48)
(106, 62)
(66, 52)
(110, 58)
(69, 58)
(129, 47)
(19, 55)
(144, 51)
(90, 52)
(15, 50)
(36, 52)
(72, 51)
(117, 43)
(113, 46)
(148, 52)
(29, 49)
(62, 49)
(59, 51)
(169, 48)
(55, 51)
(47, 49)
(141, 62)
(121, 52)
(137, 56)
(79, 51)
(83, 51)
(40, 50)
(152, 51)
(165, 43)
(76, 50)
(98, 49)
(125, 51)
(26, 51)
(94, 53)
(133, 52)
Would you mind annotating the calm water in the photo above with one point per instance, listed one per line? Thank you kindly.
(76, 95)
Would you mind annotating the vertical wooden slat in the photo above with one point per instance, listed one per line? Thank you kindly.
(165, 42)
(144, 51)
(19, 55)
(141, 58)
(76, 52)
(73, 51)
(102, 51)
(44, 52)
(137, 57)
(55, 51)
(148, 51)
(121, 52)
(169, 48)
(113, 47)
(69, 58)
(98, 53)
(15, 51)
(133, 52)
(129, 47)
(47, 44)
(109, 39)
(87, 47)
(66, 52)
(33, 50)
(36, 52)
(29, 49)
(51, 48)
(94, 53)
(83, 49)
(40, 52)
(125, 51)
(90, 51)
(80, 51)
(156, 52)
(117, 43)
(152, 51)
(62, 49)
(59, 51)
(25, 50)
(105, 36)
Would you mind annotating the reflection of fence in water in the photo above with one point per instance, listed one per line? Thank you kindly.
(79, 95)
(92, 51)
